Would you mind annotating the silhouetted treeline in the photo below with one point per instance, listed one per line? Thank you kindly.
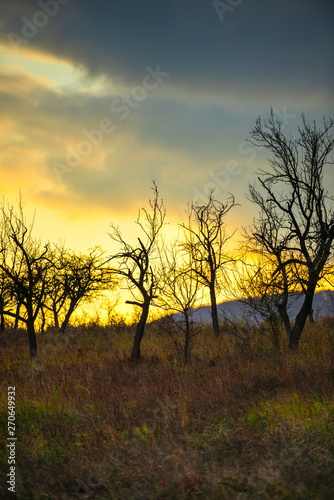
(287, 250)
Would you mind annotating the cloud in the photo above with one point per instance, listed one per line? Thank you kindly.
(180, 145)
(56, 89)
(259, 45)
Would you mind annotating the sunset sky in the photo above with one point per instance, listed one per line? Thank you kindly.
(99, 98)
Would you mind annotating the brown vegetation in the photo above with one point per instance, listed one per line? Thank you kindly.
(240, 420)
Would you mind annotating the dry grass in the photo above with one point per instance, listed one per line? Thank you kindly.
(239, 421)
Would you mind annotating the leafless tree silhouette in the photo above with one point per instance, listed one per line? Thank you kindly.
(74, 278)
(24, 263)
(207, 246)
(296, 218)
(179, 293)
(136, 264)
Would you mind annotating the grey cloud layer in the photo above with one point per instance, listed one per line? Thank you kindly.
(222, 74)
(260, 43)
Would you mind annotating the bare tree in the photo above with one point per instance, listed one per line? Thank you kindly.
(74, 278)
(207, 246)
(263, 291)
(136, 264)
(7, 302)
(24, 264)
(179, 293)
(296, 219)
(56, 291)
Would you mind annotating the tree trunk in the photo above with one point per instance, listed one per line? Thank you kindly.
(286, 323)
(31, 336)
(43, 320)
(2, 317)
(140, 331)
(55, 317)
(16, 324)
(302, 317)
(67, 317)
(186, 340)
(214, 311)
(282, 310)
(275, 331)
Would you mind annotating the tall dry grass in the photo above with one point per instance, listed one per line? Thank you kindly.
(241, 420)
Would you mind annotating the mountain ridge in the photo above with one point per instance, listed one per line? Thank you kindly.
(323, 304)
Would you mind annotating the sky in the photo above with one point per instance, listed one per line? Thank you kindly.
(97, 99)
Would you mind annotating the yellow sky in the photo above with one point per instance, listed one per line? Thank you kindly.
(33, 79)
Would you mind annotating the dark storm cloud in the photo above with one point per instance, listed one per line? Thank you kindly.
(287, 45)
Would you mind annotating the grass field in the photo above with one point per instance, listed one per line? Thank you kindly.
(239, 421)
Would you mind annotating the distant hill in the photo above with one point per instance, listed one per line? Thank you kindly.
(323, 304)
